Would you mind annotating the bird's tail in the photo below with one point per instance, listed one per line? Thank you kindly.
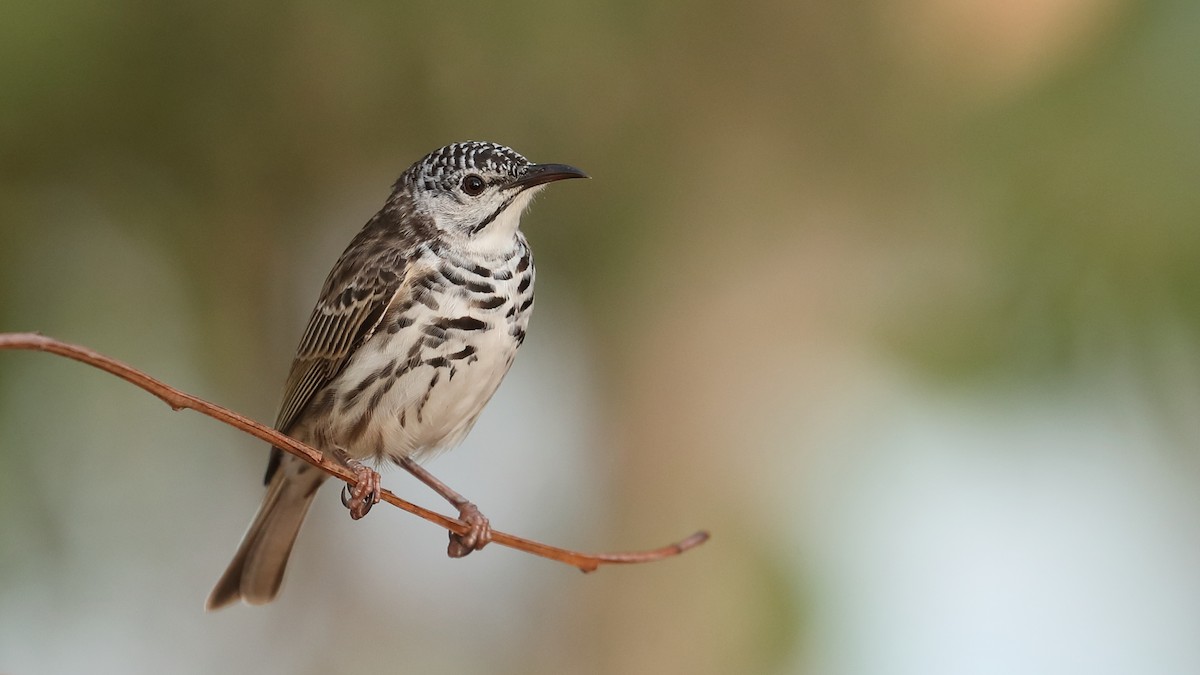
(256, 572)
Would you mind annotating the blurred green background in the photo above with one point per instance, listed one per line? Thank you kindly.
(900, 298)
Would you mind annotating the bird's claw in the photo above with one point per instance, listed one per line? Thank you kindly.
(476, 538)
(364, 494)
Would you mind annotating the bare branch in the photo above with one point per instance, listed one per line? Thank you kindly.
(179, 400)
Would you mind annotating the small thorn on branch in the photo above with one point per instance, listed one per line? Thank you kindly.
(178, 400)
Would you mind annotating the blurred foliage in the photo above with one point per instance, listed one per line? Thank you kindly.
(1088, 211)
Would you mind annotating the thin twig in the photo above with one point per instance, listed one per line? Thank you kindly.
(179, 400)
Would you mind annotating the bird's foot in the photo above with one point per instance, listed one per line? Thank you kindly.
(365, 492)
(476, 538)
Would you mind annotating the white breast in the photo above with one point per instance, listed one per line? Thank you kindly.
(432, 406)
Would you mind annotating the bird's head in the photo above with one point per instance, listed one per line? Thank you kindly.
(474, 192)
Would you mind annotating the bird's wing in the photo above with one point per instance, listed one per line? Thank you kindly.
(355, 298)
(350, 308)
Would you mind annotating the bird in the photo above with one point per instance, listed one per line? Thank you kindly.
(414, 329)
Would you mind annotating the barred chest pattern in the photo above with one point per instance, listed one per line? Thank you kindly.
(419, 383)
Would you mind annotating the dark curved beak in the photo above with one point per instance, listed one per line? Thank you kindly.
(540, 174)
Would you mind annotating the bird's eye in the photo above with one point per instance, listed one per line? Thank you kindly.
(472, 185)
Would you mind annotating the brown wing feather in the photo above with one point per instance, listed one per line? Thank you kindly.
(335, 331)
(343, 319)
(371, 275)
